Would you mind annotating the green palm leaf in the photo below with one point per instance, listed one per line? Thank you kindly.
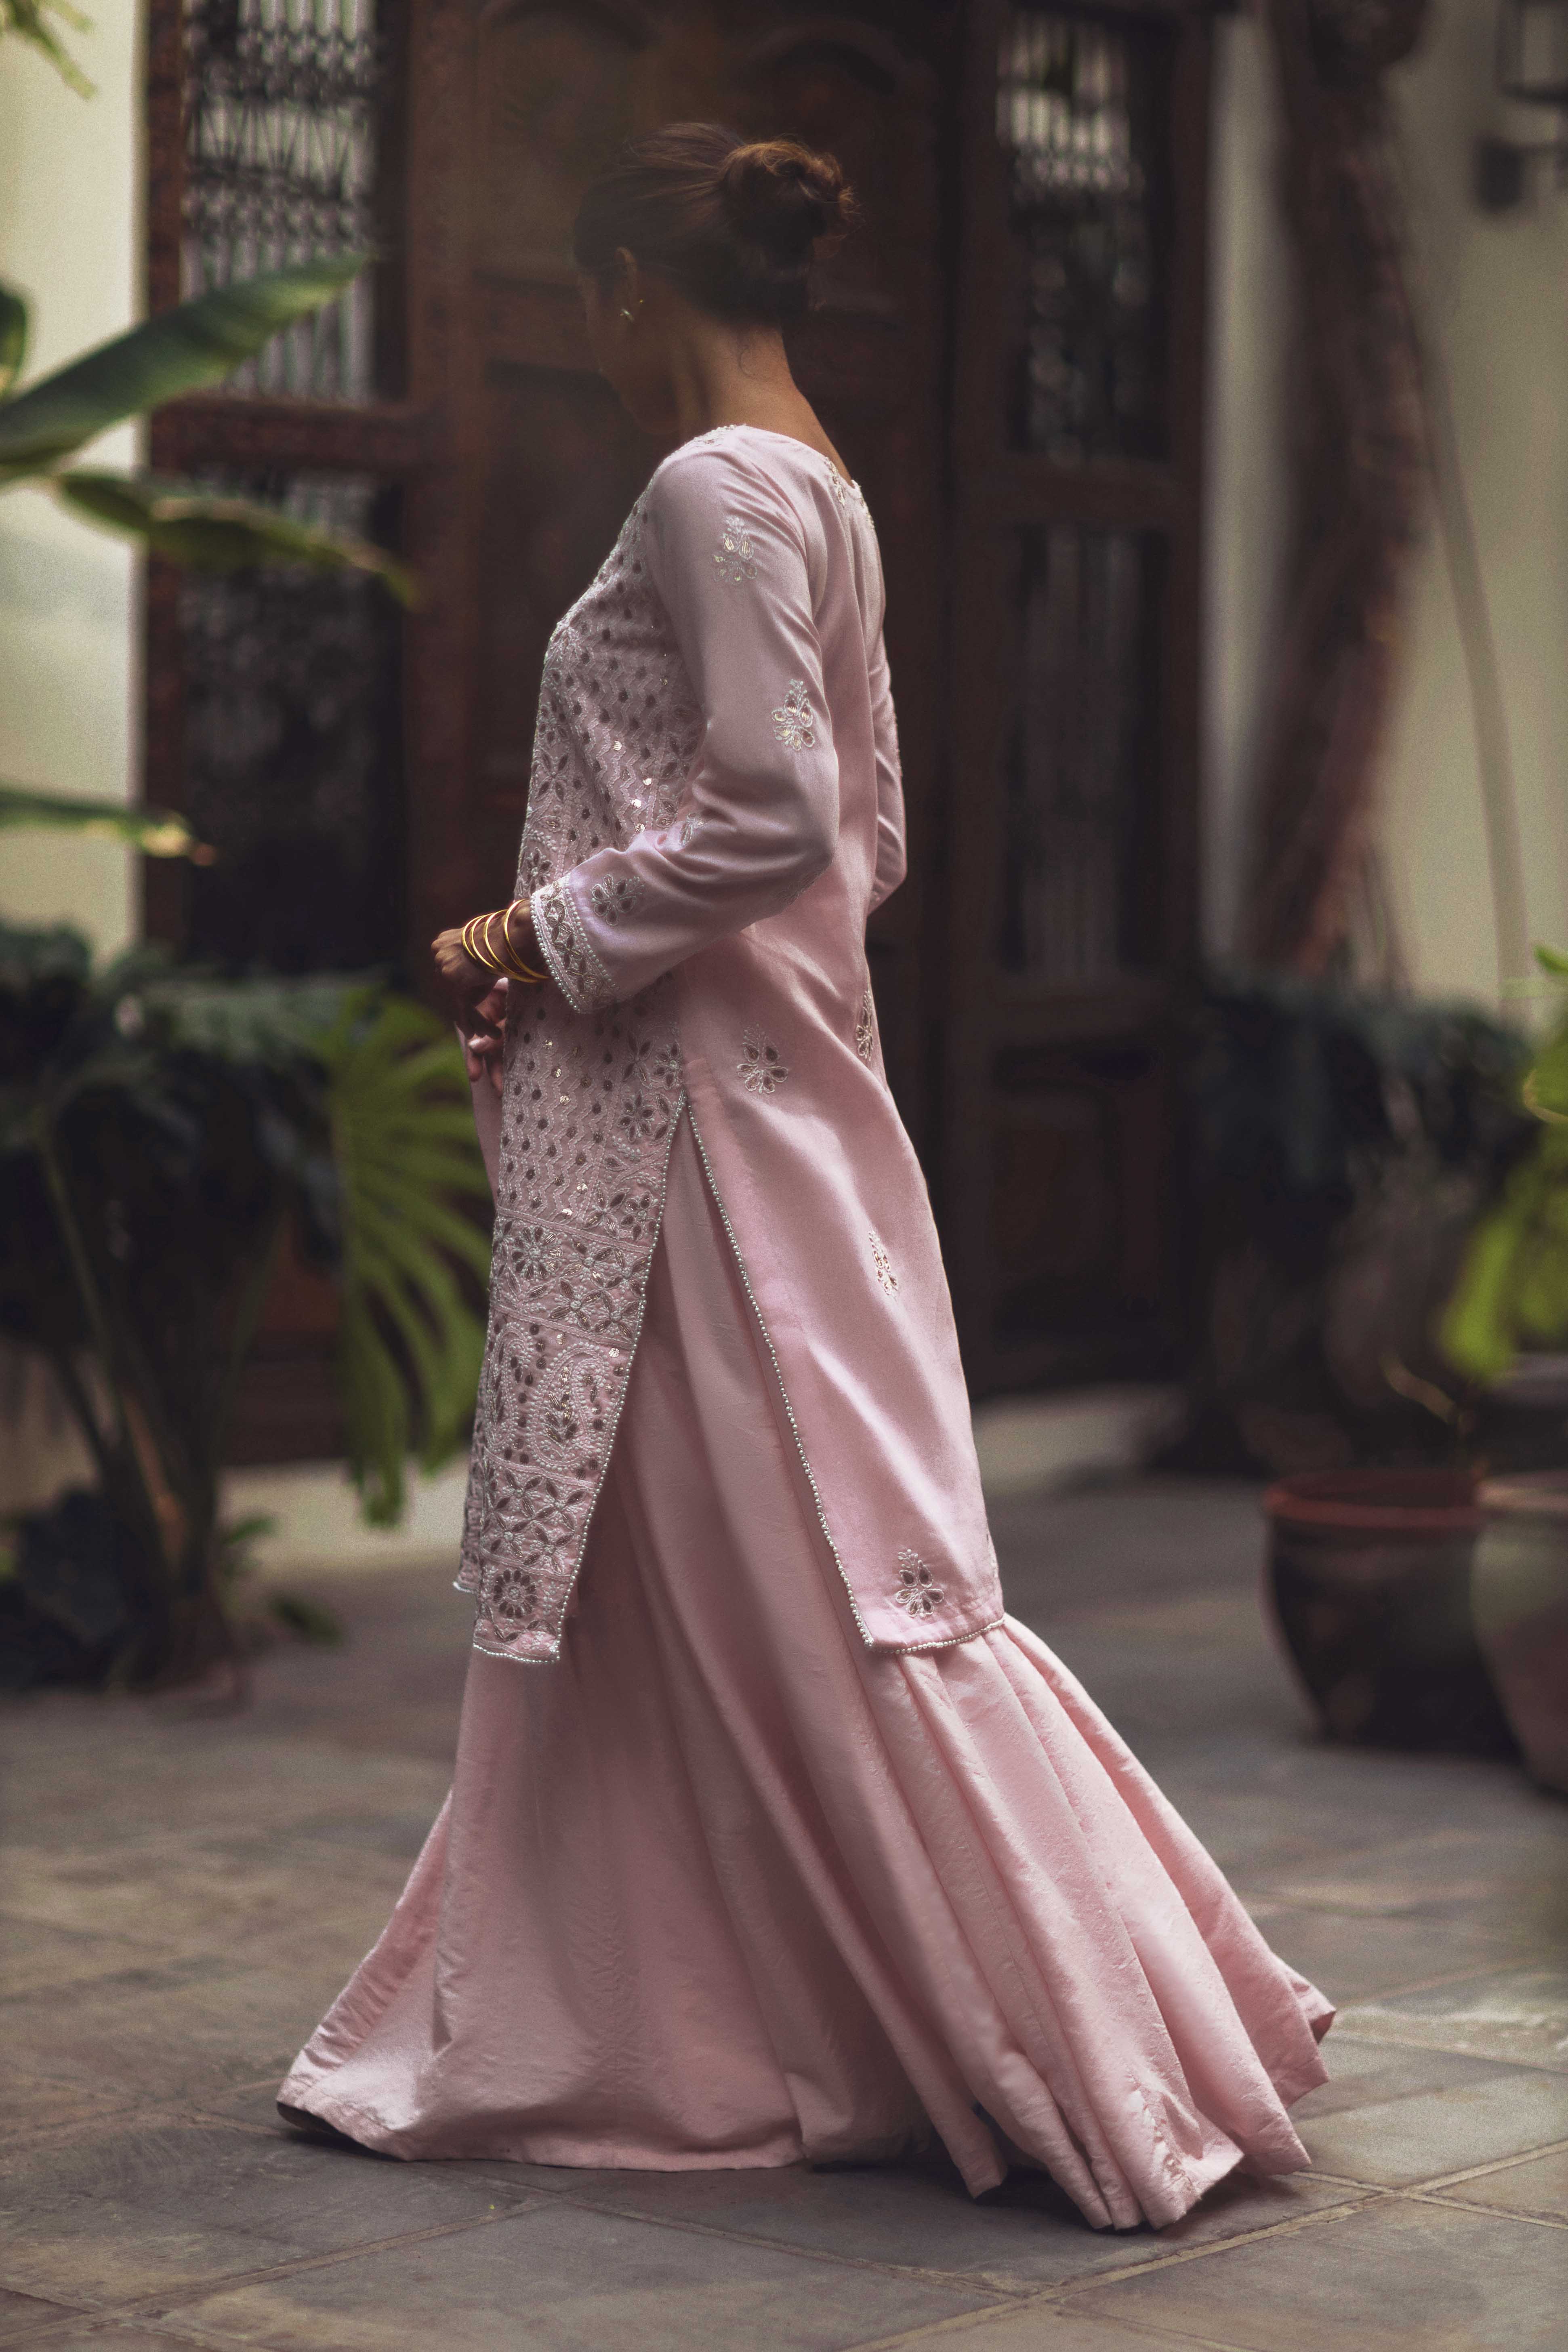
(27, 20)
(409, 1344)
(155, 832)
(211, 532)
(13, 337)
(181, 351)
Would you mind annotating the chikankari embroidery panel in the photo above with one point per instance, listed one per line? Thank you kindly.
(618, 726)
(592, 1091)
(588, 1114)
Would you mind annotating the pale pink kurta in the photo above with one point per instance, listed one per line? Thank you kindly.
(724, 1887)
(714, 808)
(796, 1847)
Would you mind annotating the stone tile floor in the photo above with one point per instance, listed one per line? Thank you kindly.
(182, 1892)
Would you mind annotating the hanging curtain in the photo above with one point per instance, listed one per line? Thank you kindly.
(1359, 464)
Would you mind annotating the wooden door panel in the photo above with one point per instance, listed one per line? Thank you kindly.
(558, 97)
(1076, 432)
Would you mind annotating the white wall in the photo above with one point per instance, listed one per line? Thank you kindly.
(70, 238)
(1497, 307)
(1494, 293)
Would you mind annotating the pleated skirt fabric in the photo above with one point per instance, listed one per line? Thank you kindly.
(724, 1888)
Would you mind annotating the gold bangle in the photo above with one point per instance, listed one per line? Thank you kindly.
(471, 947)
(516, 966)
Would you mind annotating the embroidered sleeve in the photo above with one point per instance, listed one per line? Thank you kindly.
(732, 562)
(568, 952)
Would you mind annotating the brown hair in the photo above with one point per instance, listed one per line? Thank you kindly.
(732, 224)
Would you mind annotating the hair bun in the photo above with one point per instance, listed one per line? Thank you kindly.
(786, 198)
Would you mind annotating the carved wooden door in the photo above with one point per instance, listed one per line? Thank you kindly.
(1077, 437)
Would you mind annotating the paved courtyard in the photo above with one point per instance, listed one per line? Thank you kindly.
(182, 1893)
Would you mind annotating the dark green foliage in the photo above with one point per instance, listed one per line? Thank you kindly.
(159, 1128)
(1345, 1144)
(1305, 1092)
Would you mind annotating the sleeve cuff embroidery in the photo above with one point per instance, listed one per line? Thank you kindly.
(574, 966)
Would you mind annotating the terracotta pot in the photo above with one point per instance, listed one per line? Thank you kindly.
(1369, 1583)
(1518, 1598)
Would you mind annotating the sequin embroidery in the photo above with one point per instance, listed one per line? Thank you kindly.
(843, 489)
(917, 1591)
(762, 1067)
(866, 1028)
(795, 721)
(567, 950)
(883, 1264)
(734, 555)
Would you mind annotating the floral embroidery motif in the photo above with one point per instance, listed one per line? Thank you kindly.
(883, 1264)
(795, 721)
(615, 896)
(513, 1598)
(762, 1067)
(866, 1028)
(558, 927)
(843, 489)
(734, 555)
(917, 1592)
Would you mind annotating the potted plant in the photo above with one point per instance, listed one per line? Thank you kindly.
(1348, 1141)
(1368, 1583)
(1508, 1314)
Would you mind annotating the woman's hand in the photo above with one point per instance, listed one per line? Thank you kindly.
(467, 980)
(482, 993)
(484, 1036)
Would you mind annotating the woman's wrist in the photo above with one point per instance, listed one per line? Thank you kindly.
(521, 944)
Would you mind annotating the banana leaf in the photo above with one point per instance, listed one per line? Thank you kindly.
(211, 532)
(409, 1343)
(29, 20)
(182, 350)
(155, 832)
(13, 336)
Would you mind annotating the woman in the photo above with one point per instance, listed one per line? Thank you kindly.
(794, 1845)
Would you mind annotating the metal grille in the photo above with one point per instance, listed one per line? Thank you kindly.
(284, 118)
(1080, 113)
(291, 747)
(1077, 798)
